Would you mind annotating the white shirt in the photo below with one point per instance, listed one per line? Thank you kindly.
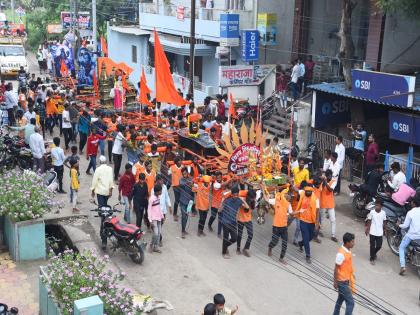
(226, 128)
(302, 69)
(340, 149)
(66, 119)
(208, 124)
(412, 222)
(339, 258)
(294, 164)
(102, 181)
(28, 115)
(165, 201)
(117, 148)
(335, 168)
(44, 53)
(49, 60)
(36, 143)
(58, 156)
(327, 164)
(376, 222)
(397, 180)
(10, 99)
(295, 73)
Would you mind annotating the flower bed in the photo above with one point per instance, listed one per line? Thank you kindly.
(72, 276)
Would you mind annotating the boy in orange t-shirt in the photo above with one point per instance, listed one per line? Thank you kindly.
(202, 202)
(245, 220)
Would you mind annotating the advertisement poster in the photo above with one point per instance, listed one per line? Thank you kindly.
(267, 26)
(239, 161)
(87, 67)
(229, 29)
(249, 45)
(62, 52)
(82, 22)
(244, 75)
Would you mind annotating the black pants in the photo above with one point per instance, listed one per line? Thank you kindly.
(277, 233)
(60, 123)
(215, 212)
(73, 131)
(82, 141)
(68, 135)
(11, 116)
(110, 146)
(59, 170)
(50, 123)
(139, 210)
(43, 125)
(229, 230)
(375, 245)
(117, 164)
(249, 230)
(177, 193)
(338, 186)
(202, 219)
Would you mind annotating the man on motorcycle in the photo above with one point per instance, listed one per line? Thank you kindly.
(397, 177)
(373, 180)
(412, 223)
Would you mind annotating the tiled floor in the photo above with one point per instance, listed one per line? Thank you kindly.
(18, 284)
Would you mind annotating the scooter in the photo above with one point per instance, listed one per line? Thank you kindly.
(4, 310)
(394, 237)
(124, 237)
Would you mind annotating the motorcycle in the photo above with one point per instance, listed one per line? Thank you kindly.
(124, 237)
(394, 237)
(4, 310)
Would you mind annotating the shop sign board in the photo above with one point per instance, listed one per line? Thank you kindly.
(401, 126)
(83, 20)
(393, 89)
(243, 74)
(229, 29)
(330, 109)
(249, 45)
(267, 27)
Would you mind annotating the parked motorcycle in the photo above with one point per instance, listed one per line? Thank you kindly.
(4, 310)
(394, 238)
(124, 237)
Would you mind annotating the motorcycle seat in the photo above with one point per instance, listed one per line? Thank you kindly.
(123, 229)
(415, 243)
(394, 207)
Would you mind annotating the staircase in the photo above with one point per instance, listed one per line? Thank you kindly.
(278, 124)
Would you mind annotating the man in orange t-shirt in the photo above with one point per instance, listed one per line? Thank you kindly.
(176, 173)
(150, 175)
(245, 220)
(217, 189)
(202, 203)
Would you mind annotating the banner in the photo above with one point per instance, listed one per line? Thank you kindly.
(82, 22)
(329, 109)
(229, 29)
(54, 28)
(244, 74)
(239, 161)
(62, 52)
(249, 45)
(87, 67)
(267, 26)
(383, 87)
(401, 127)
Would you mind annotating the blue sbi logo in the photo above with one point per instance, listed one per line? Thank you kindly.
(362, 84)
(326, 108)
(357, 83)
(336, 107)
(405, 128)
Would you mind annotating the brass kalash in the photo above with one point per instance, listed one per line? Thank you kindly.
(106, 83)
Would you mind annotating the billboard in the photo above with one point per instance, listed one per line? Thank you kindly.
(62, 52)
(83, 20)
(401, 127)
(249, 45)
(229, 29)
(329, 109)
(244, 75)
(267, 26)
(383, 87)
(87, 67)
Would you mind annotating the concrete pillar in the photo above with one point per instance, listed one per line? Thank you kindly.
(303, 124)
(89, 306)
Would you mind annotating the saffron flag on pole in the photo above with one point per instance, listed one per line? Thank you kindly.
(104, 47)
(144, 90)
(63, 69)
(232, 112)
(165, 87)
(95, 83)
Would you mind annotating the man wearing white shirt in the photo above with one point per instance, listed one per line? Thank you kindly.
(36, 143)
(165, 201)
(397, 177)
(341, 155)
(66, 126)
(117, 151)
(58, 158)
(294, 79)
(301, 75)
(30, 113)
(412, 223)
(327, 161)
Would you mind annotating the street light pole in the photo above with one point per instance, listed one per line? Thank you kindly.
(192, 48)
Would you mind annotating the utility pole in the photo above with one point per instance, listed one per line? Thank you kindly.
(192, 48)
(94, 27)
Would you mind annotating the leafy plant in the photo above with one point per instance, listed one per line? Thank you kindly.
(71, 276)
(24, 196)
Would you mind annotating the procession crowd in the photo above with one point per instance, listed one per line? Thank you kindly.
(304, 204)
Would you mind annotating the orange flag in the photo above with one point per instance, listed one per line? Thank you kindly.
(104, 47)
(232, 112)
(165, 87)
(124, 82)
(144, 90)
(63, 69)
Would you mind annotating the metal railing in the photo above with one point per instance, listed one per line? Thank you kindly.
(410, 169)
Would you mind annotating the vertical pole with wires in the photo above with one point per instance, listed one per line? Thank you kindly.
(192, 48)
(94, 26)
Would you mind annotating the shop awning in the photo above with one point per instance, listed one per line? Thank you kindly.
(338, 88)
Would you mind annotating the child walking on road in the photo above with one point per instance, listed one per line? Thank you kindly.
(155, 217)
(75, 184)
(375, 228)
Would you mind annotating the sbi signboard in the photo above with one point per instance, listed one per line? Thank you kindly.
(249, 45)
(329, 110)
(383, 87)
(229, 29)
(404, 127)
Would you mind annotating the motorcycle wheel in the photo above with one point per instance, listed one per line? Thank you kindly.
(137, 254)
(358, 207)
(393, 241)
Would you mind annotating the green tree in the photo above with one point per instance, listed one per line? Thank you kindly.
(410, 8)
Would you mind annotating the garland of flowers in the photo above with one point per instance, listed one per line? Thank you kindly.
(72, 276)
(24, 196)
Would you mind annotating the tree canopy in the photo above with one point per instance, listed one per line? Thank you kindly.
(410, 8)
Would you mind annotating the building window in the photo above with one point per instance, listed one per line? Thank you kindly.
(134, 54)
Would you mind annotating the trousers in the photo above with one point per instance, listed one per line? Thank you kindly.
(307, 230)
(249, 230)
(229, 236)
(375, 243)
(277, 233)
(344, 294)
